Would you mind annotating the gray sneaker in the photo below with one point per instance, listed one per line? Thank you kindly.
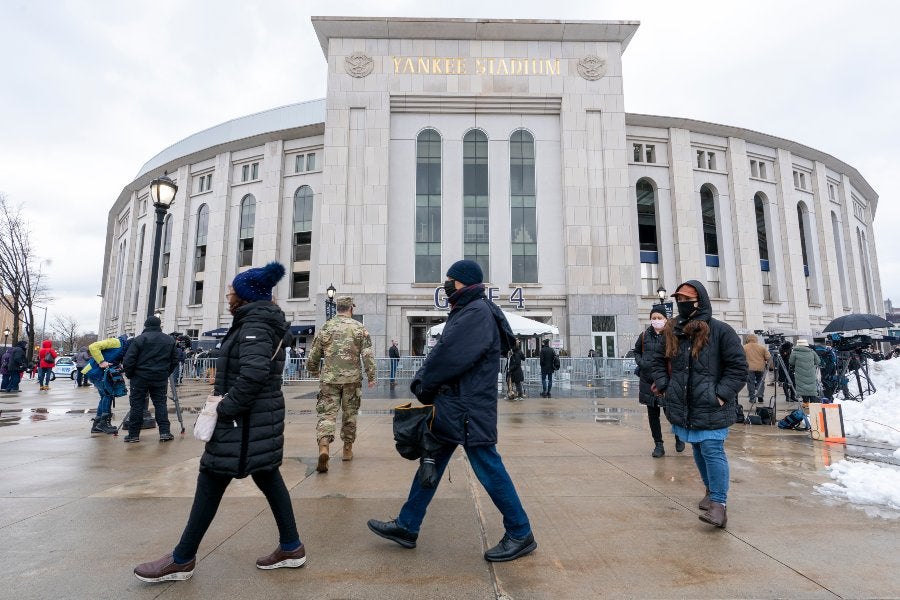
(166, 437)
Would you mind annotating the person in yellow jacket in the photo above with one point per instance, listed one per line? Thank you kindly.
(104, 353)
(758, 358)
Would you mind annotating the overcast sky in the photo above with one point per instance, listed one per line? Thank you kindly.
(92, 89)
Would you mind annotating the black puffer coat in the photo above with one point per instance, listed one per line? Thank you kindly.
(646, 345)
(460, 372)
(249, 434)
(719, 371)
(151, 355)
(514, 367)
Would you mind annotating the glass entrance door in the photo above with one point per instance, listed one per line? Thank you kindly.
(605, 345)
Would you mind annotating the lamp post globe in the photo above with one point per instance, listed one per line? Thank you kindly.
(162, 193)
(329, 301)
(5, 335)
(661, 293)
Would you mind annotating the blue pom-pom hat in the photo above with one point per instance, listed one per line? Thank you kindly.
(256, 284)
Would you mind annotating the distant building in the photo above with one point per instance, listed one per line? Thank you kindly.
(505, 142)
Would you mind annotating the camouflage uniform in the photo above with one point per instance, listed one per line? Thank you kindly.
(342, 341)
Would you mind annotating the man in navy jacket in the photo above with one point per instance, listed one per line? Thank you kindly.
(460, 378)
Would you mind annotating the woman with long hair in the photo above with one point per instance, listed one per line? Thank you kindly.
(700, 369)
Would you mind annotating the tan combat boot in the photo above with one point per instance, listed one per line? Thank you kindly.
(322, 467)
(348, 451)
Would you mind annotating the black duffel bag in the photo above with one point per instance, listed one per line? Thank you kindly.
(414, 440)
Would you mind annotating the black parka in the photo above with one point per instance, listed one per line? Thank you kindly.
(150, 356)
(719, 371)
(546, 357)
(646, 345)
(249, 434)
(514, 367)
(460, 372)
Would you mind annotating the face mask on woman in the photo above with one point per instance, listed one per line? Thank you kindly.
(658, 324)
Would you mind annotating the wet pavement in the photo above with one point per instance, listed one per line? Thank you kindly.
(77, 513)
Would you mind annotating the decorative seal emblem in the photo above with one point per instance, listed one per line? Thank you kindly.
(359, 64)
(591, 67)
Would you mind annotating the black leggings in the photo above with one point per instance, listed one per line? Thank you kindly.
(211, 488)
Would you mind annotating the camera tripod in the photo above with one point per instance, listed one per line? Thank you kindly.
(863, 360)
(779, 367)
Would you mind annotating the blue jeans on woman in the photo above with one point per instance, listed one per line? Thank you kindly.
(44, 375)
(713, 466)
(489, 469)
(104, 407)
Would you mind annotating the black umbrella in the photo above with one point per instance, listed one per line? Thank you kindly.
(854, 322)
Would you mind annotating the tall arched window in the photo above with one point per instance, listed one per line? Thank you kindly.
(762, 244)
(200, 254)
(710, 240)
(248, 221)
(166, 260)
(839, 253)
(139, 265)
(864, 263)
(120, 275)
(801, 220)
(476, 226)
(428, 207)
(302, 241)
(649, 246)
(522, 206)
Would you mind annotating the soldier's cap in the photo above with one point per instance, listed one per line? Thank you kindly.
(344, 302)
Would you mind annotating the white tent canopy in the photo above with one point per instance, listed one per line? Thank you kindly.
(519, 324)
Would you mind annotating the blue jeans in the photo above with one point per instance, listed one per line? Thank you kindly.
(44, 375)
(713, 466)
(394, 363)
(489, 469)
(80, 378)
(14, 378)
(104, 407)
(4, 382)
(546, 382)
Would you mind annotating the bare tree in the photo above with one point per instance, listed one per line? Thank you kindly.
(21, 285)
(65, 330)
(85, 339)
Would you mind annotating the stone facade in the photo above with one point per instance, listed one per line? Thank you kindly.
(388, 79)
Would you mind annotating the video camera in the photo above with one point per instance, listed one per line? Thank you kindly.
(770, 338)
(850, 344)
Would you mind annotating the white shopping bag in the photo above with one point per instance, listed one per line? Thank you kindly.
(206, 420)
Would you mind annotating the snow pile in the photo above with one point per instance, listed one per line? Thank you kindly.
(875, 419)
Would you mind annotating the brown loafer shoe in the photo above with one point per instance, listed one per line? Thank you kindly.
(164, 569)
(280, 559)
(715, 515)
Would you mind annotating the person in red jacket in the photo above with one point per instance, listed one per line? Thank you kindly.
(46, 359)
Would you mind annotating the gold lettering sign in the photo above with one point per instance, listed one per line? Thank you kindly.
(459, 65)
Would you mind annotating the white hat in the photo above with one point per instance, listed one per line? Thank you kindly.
(802, 342)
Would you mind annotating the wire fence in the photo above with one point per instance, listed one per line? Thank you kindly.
(582, 371)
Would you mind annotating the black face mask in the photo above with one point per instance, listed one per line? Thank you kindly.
(686, 309)
(449, 287)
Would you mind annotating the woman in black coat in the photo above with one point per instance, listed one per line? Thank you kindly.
(648, 342)
(249, 435)
(515, 372)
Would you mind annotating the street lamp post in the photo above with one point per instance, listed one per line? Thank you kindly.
(661, 293)
(330, 307)
(44, 325)
(162, 192)
(5, 335)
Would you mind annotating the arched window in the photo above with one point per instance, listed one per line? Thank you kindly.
(476, 226)
(710, 240)
(302, 241)
(248, 221)
(166, 259)
(649, 246)
(839, 253)
(522, 206)
(120, 274)
(864, 263)
(200, 253)
(139, 265)
(428, 207)
(803, 220)
(762, 244)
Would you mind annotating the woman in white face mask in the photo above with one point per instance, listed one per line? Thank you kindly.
(649, 341)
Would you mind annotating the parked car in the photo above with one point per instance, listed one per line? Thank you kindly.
(64, 367)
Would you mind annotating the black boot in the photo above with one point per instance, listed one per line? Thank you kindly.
(108, 427)
(658, 451)
(95, 426)
(679, 444)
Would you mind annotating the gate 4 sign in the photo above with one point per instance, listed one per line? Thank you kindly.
(516, 297)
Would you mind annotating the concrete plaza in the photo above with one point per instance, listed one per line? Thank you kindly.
(77, 513)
